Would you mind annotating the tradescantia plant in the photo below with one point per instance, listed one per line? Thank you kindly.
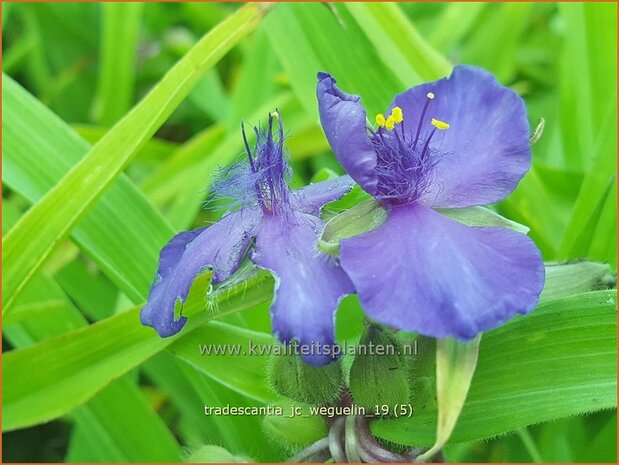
(408, 230)
(416, 271)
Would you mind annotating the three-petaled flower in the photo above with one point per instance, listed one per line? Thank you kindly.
(279, 229)
(457, 142)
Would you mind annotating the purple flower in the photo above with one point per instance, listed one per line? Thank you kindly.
(457, 142)
(279, 228)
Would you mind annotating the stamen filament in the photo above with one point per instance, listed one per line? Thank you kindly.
(247, 149)
(430, 96)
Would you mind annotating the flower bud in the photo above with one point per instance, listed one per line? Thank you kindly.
(296, 428)
(378, 376)
(315, 385)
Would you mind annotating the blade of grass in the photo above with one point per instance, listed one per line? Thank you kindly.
(118, 49)
(73, 367)
(119, 416)
(297, 34)
(122, 233)
(401, 47)
(42, 228)
(530, 371)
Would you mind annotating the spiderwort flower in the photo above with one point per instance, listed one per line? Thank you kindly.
(279, 228)
(457, 142)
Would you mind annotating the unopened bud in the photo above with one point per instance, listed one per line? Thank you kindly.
(314, 385)
(296, 428)
(379, 378)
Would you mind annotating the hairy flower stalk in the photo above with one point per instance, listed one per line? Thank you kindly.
(457, 142)
(277, 228)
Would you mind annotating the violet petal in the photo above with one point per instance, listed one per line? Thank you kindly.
(485, 152)
(219, 247)
(310, 199)
(309, 286)
(422, 272)
(343, 120)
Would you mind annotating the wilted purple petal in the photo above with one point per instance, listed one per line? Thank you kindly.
(310, 199)
(309, 286)
(485, 152)
(219, 247)
(344, 123)
(422, 272)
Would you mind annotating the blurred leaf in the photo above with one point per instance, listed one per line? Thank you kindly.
(595, 207)
(118, 50)
(248, 376)
(456, 21)
(495, 42)
(39, 231)
(119, 425)
(400, 46)
(122, 233)
(88, 289)
(214, 454)
(238, 433)
(256, 84)
(531, 370)
(588, 79)
(297, 34)
(119, 422)
(75, 366)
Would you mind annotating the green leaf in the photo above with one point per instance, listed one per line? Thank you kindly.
(120, 424)
(41, 229)
(297, 34)
(118, 50)
(361, 218)
(119, 413)
(455, 365)
(495, 43)
(558, 361)
(249, 374)
(122, 233)
(481, 216)
(368, 215)
(73, 367)
(402, 48)
(215, 454)
(589, 73)
(565, 279)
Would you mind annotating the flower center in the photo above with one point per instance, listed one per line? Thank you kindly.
(268, 166)
(404, 160)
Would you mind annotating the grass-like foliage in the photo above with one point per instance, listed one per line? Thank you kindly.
(116, 118)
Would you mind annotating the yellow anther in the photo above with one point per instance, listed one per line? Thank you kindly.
(390, 123)
(397, 114)
(380, 119)
(430, 95)
(275, 115)
(438, 124)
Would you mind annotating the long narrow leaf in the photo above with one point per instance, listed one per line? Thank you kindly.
(41, 229)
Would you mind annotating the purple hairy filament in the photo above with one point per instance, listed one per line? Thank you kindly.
(261, 179)
(404, 162)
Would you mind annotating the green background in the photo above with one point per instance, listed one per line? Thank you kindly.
(93, 189)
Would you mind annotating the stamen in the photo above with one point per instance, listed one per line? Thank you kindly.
(390, 123)
(380, 120)
(438, 124)
(397, 114)
(247, 149)
(430, 96)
